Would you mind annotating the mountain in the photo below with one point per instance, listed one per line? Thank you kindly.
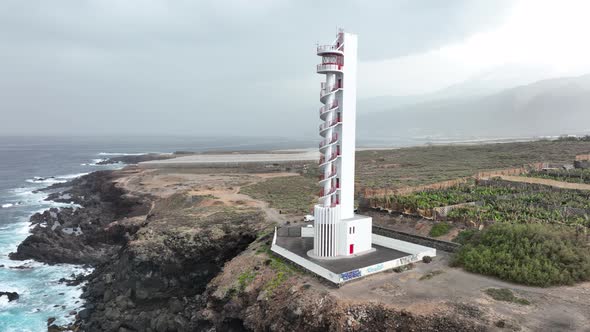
(485, 83)
(547, 107)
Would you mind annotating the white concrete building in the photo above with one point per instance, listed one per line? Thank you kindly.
(338, 232)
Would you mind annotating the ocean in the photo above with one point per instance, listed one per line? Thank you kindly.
(28, 164)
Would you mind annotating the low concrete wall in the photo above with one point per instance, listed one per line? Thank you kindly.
(416, 253)
(421, 240)
(306, 231)
(289, 231)
(366, 271)
(404, 246)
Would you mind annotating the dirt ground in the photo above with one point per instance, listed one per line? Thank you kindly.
(223, 187)
(551, 309)
(449, 290)
(547, 182)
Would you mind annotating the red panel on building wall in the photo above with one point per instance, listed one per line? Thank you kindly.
(352, 248)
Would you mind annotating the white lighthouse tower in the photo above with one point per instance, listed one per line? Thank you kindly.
(338, 232)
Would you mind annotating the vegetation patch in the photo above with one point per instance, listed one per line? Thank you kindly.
(572, 176)
(440, 229)
(506, 295)
(530, 254)
(464, 236)
(429, 164)
(282, 272)
(499, 201)
(245, 278)
(288, 194)
(431, 275)
(403, 268)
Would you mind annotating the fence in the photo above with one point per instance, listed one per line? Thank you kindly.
(442, 212)
(417, 239)
(511, 171)
(369, 192)
(289, 231)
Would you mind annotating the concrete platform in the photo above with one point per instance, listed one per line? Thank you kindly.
(389, 254)
(301, 245)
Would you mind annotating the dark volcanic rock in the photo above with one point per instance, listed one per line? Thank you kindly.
(84, 235)
(12, 296)
(155, 280)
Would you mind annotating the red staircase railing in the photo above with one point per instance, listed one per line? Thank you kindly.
(327, 108)
(333, 140)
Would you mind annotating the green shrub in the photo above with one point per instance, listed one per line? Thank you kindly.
(464, 236)
(440, 229)
(431, 275)
(505, 294)
(531, 254)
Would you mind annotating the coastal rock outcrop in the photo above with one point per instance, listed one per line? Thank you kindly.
(159, 275)
(87, 235)
(12, 296)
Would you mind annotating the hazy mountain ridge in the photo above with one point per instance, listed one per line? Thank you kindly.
(547, 107)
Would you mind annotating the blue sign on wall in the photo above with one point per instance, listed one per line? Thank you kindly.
(375, 268)
(350, 275)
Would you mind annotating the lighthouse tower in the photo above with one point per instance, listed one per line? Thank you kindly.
(338, 232)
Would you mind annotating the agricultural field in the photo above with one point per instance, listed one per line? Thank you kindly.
(497, 201)
(391, 169)
(572, 176)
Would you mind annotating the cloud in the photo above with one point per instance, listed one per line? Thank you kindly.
(207, 67)
(550, 36)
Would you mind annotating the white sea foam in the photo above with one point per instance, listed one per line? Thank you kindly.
(55, 179)
(7, 205)
(95, 162)
(3, 301)
(120, 154)
(32, 197)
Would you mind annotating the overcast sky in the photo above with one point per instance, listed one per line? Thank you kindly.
(246, 67)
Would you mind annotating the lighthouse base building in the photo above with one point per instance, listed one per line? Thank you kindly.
(340, 245)
(340, 238)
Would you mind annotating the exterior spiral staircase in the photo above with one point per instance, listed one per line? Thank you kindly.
(330, 114)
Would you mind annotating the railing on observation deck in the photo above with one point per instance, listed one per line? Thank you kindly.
(328, 48)
(329, 66)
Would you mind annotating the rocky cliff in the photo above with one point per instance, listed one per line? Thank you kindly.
(86, 235)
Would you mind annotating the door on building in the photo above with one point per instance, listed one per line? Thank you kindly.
(351, 249)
